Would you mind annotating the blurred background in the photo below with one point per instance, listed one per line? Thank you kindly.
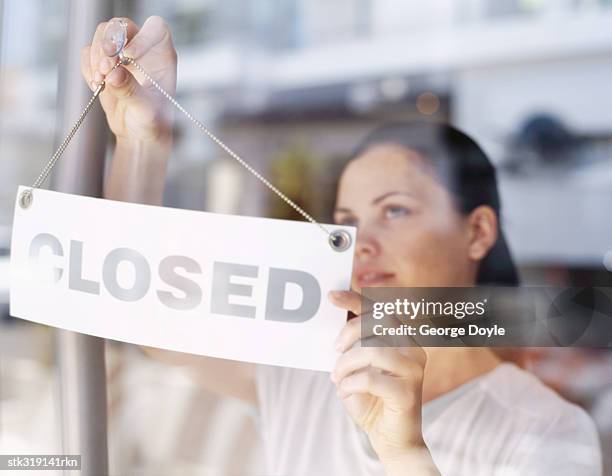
(292, 85)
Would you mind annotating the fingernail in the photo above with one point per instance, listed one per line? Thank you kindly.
(93, 85)
(98, 78)
(108, 48)
(113, 78)
(334, 294)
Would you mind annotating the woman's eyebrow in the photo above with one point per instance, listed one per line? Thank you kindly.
(385, 195)
(340, 209)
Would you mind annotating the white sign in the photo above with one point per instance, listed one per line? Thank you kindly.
(242, 288)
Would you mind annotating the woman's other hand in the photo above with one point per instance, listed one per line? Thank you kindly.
(381, 389)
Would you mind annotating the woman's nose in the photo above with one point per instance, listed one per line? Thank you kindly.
(366, 245)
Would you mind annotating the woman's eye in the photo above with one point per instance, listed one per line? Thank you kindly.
(394, 211)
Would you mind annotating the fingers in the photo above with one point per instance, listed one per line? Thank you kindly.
(120, 83)
(403, 362)
(370, 381)
(357, 328)
(96, 51)
(93, 77)
(86, 65)
(360, 328)
(380, 332)
(349, 300)
(152, 47)
(387, 359)
(154, 34)
(101, 63)
(102, 46)
(101, 50)
(350, 333)
(366, 381)
(107, 46)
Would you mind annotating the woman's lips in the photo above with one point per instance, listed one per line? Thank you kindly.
(373, 278)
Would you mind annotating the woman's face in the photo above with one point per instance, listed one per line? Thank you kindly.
(409, 231)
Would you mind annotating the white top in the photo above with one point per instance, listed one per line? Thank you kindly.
(504, 423)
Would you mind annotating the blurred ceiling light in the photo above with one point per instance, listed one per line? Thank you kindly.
(394, 88)
(607, 260)
(362, 97)
(428, 103)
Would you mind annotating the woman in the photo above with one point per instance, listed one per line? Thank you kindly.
(425, 200)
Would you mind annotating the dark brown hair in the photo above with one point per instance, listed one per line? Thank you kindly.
(466, 172)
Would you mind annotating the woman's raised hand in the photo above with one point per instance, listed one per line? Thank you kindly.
(381, 389)
(135, 110)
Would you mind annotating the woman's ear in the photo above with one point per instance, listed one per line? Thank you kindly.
(482, 224)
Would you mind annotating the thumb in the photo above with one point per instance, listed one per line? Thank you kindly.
(121, 84)
(122, 88)
(154, 36)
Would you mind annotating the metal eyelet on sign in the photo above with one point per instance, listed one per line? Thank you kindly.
(26, 198)
(340, 240)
